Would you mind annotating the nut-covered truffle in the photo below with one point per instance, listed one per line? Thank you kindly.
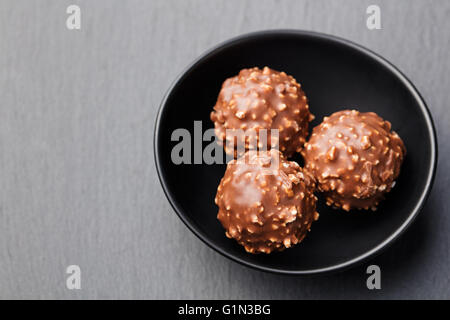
(261, 99)
(355, 158)
(266, 205)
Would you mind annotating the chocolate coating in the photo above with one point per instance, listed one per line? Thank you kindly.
(266, 207)
(262, 99)
(355, 158)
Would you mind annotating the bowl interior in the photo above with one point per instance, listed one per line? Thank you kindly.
(334, 75)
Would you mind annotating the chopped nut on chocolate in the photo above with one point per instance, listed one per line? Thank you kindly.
(269, 216)
(355, 158)
(262, 99)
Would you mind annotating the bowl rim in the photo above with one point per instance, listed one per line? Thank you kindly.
(340, 41)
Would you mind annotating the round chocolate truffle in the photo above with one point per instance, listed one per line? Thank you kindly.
(266, 203)
(355, 158)
(261, 99)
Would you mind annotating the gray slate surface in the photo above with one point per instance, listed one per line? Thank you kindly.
(77, 178)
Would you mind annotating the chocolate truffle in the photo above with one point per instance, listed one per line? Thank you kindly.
(266, 203)
(261, 99)
(355, 158)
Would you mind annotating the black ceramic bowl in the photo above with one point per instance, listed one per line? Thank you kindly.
(335, 74)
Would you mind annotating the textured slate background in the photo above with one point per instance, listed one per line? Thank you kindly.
(77, 177)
